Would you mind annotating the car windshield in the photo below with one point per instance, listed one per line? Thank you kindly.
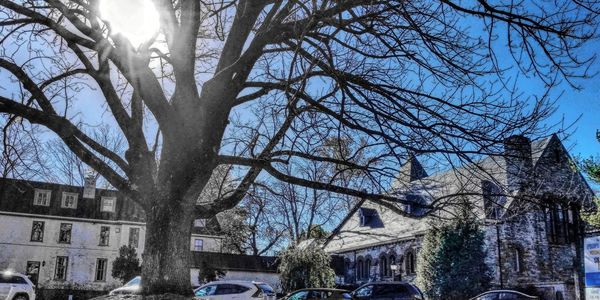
(135, 281)
(206, 291)
(265, 288)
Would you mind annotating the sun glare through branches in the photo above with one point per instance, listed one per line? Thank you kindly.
(136, 20)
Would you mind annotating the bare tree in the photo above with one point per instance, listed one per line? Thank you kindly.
(402, 76)
(67, 168)
(21, 154)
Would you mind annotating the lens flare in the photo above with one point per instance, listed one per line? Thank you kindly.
(136, 20)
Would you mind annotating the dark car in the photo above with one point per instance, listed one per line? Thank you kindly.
(318, 293)
(387, 290)
(504, 295)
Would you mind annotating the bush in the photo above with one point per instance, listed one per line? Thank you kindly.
(127, 265)
(451, 263)
(305, 268)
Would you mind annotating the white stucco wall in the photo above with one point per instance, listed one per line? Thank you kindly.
(16, 248)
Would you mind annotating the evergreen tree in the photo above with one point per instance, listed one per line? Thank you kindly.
(127, 265)
(451, 263)
(305, 268)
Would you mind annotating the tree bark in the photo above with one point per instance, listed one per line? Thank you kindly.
(167, 256)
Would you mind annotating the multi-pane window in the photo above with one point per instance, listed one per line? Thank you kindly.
(198, 244)
(560, 224)
(134, 237)
(42, 197)
(108, 204)
(104, 235)
(101, 264)
(69, 200)
(60, 272)
(493, 199)
(200, 223)
(64, 235)
(360, 266)
(37, 231)
(383, 267)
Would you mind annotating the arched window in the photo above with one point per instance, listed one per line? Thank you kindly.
(383, 266)
(367, 273)
(410, 262)
(360, 267)
(391, 262)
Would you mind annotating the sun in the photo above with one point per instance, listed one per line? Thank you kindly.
(136, 20)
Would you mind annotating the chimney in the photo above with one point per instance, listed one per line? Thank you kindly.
(89, 187)
(517, 154)
(412, 170)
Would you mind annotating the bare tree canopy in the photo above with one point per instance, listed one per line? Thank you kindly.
(260, 85)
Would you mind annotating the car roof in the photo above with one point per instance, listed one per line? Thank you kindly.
(322, 289)
(506, 291)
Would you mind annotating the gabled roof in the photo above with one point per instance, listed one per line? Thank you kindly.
(451, 182)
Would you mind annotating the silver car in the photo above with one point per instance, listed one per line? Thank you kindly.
(133, 287)
(15, 286)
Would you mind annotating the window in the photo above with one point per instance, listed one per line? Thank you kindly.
(200, 223)
(64, 235)
(42, 197)
(366, 291)
(12, 279)
(518, 260)
(206, 291)
(410, 263)
(134, 237)
(360, 266)
(108, 204)
(198, 243)
(101, 264)
(32, 271)
(367, 273)
(492, 199)
(62, 263)
(383, 267)
(37, 231)
(104, 235)
(69, 200)
(557, 224)
(229, 289)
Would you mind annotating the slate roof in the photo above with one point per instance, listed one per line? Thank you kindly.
(16, 196)
(350, 235)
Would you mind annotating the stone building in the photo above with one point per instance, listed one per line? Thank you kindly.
(528, 201)
(66, 237)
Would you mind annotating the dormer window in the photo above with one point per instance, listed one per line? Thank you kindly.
(108, 204)
(42, 197)
(69, 200)
(200, 223)
(369, 217)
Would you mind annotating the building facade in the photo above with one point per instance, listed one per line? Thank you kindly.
(528, 202)
(66, 237)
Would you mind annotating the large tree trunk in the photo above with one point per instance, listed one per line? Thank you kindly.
(166, 257)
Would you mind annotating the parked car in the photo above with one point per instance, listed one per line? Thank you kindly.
(504, 295)
(15, 286)
(235, 289)
(133, 287)
(318, 293)
(387, 290)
